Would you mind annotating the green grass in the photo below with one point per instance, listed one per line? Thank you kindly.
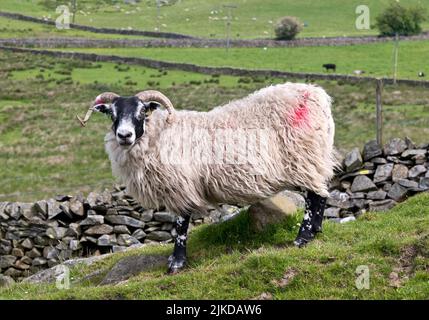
(229, 261)
(252, 18)
(43, 150)
(10, 28)
(374, 59)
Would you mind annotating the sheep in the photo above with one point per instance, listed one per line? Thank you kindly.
(281, 137)
(421, 74)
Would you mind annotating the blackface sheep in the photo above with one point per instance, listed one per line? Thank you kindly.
(278, 138)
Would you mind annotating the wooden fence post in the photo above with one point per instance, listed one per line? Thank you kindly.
(379, 111)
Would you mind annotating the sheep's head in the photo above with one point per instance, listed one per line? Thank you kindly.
(129, 114)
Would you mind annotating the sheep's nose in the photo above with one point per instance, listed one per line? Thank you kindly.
(125, 135)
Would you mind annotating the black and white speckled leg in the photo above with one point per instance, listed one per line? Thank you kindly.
(313, 218)
(177, 260)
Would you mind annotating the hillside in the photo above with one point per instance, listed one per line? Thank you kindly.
(228, 261)
(251, 19)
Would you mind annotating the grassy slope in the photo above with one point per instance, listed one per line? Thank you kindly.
(43, 150)
(375, 59)
(251, 19)
(228, 261)
(10, 28)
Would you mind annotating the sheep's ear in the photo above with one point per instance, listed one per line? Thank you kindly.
(149, 107)
(103, 108)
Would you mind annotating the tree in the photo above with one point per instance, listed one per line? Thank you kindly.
(397, 19)
(287, 28)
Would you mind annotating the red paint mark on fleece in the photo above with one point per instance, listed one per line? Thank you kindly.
(300, 115)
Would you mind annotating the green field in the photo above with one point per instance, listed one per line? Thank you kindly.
(252, 18)
(375, 59)
(230, 261)
(10, 28)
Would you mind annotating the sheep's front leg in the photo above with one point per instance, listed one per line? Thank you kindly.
(177, 260)
(313, 218)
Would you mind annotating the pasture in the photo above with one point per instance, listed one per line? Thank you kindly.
(251, 19)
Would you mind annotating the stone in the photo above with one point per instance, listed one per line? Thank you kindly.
(371, 150)
(383, 173)
(132, 266)
(269, 211)
(140, 234)
(397, 192)
(147, 215)
(56, 233)
(377, 195)
(295, 197)
(369, 166)
(126, 240)
(41, 207)
(92, 220)
(76, 207)
(12, 272)
(17, 252)
(124, 220)
(106, 240)
(169, 226)
(332, 213)
(164, 216)
(7, 261)
(152, 229)
(408, 183)
(413, 152)
(73, 230)
(99, 230)
(363, 183)
(394, 147)
(399, 172)
(118, 248)
(50, 253)
(424, 183)
(379, 160)
(51, 275)
(33, 253)
(26, 260)
(39, 261)
(75, 245)
(159, 236)
(353, 160)
(382, 205)
(419, 159)
(120, 229)
(27, 244)
(6, 281)
(339, 199)
(416, 171)
(5, 246)
(111, 212)
(347, 219)
(53, 208)
(358, 195)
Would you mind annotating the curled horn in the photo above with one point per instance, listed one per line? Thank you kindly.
(104, 98)
(156, 96)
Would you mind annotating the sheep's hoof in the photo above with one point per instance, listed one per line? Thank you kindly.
(317, 229)
(175, 265)
(303, 238)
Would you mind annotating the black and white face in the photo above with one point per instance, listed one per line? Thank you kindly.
(128, 116)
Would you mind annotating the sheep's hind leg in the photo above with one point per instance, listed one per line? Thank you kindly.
(313, 218)
(177, 260)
